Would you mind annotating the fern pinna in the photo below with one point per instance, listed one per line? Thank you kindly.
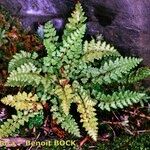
(91, 74)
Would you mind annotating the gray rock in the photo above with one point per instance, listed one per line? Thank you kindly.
(34, 12)
(125, 23)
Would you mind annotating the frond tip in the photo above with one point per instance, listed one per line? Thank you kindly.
(114, 71)
(76, 20)
(138, 75)
(97, 50)
(119, 99)
(50, 38)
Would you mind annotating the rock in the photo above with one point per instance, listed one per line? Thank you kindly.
(124, 23)
(34, 12)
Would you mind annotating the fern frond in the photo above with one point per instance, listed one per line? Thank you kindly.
(21, 80)
(85, 106)
(28, 67)
(23, 101)
(26, 74)
(67, 122)
(135, 76)
(72, 46)
(97, 50)
(138, 75)
(119, 99)
(20, 59)
(72, 38)
(50, 38)
(51, 44)
(87, 114)
(76, 20)
(65, 94)
(71, 51)
(11, 125)
(115, 70)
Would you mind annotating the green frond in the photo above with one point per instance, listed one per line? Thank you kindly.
(23, 101)
(50, 38)
(65, 94)
(20, 59)
(23, 79)
(71, 49)
(27, 67)
(51, 44)
(87, 114)
(119, 99)
(85, 106)
(138, 75)
(72, 46)
(135, 76)
(115, 70)
(76, 20)
(97, 50)
(9, 127)
(26, 74)
(67, 122)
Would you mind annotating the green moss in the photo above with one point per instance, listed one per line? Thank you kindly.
(141, 142)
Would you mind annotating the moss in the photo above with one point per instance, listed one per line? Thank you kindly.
(141, 142)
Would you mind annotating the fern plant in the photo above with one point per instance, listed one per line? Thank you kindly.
(91, 74)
